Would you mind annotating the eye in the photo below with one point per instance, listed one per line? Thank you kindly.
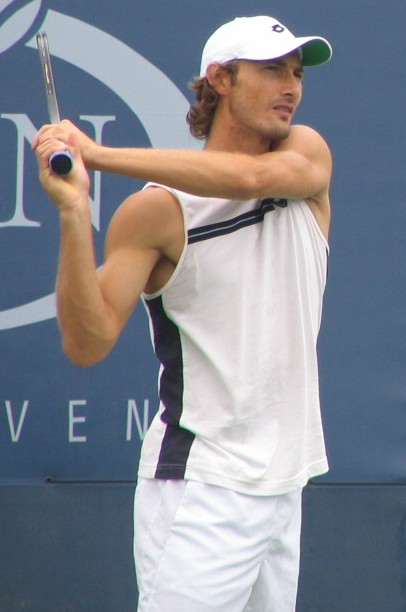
(272, 68)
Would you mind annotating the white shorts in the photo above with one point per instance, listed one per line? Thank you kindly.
(203, 548)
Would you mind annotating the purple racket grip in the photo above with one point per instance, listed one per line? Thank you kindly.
(61, 162)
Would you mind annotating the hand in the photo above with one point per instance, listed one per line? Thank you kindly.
(66, 191)
(62, 131)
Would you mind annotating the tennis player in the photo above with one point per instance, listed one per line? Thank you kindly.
(227, 247)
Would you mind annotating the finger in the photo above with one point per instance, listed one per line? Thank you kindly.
(44, 129)
(47, 148)
(53, 130)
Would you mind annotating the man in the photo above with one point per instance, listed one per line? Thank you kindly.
(228, 248)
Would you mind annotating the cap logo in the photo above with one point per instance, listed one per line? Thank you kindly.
(278, 28)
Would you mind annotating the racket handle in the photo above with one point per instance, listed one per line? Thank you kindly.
(61, 162)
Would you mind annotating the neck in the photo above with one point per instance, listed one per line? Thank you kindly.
(226, 136)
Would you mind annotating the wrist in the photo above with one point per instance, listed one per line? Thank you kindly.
(92, 154)
(78, 207)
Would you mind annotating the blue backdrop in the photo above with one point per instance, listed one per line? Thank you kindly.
(121, 72)
(122, 75)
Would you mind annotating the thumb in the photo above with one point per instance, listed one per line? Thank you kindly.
(73, 145)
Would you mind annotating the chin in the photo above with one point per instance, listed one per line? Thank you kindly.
(279, 132)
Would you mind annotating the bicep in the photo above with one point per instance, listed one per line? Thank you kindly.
(300, 168)
(135, 243)
(122, 279)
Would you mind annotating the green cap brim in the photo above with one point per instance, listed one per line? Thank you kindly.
(316, 52)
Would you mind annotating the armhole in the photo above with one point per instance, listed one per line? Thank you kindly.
(150, 296)
(314, 221)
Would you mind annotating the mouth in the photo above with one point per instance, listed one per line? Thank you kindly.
(284, 109)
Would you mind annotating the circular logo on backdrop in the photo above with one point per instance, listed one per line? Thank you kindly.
(110, 62)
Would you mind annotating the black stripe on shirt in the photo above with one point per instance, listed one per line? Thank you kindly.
(232, 225)
(177, 441)
(175, 449)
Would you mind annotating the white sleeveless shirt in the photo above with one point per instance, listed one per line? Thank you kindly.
(235, 330)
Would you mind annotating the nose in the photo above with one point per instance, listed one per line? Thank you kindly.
(292, 86)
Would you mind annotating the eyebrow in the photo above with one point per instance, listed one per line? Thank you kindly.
(283, 63)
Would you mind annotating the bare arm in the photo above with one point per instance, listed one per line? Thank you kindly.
(93, 306)
(299, 168)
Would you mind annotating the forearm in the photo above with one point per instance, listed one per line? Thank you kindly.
(300, 167)
(87, 327)
(203, 173)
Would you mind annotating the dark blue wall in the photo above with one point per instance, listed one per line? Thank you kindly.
(67, 548)
(69, 439)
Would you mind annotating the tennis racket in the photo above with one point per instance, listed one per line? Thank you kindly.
(61, 161)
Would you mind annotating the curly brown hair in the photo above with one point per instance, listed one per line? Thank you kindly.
(202, 110)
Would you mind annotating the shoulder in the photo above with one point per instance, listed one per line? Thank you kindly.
(306, 140)
(150, 218)
(150, 205)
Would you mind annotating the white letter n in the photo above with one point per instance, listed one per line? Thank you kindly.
(132, 410)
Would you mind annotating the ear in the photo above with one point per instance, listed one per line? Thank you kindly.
(219, 78)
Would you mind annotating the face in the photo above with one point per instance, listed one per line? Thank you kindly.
(264, 98)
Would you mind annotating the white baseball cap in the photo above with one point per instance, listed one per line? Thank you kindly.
(261, 38)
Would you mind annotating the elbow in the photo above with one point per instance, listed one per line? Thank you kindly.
(244, 187)
(85, 346)
(83, 356)
(254, 183)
